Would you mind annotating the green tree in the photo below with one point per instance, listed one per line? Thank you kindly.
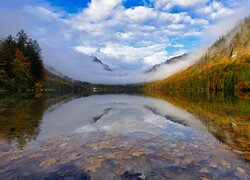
(33, 53)
(7, 53)
(21, 65)
(21, 71)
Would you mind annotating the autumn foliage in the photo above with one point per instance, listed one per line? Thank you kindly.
(224, 67)
(21, 65)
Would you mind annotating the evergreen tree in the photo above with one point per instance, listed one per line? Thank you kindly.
(7, 53)
(22, 40)
(21, 65)
(21, 71)
(33, 53)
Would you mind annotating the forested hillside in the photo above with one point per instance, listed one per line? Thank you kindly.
(224, 67)
(63, 84)
(22, 69)
(21, 66)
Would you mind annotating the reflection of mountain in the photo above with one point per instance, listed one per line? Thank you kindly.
(114, 114)
(133, 137)
(105, 66)
(169, 61)
(174, 119)
(226, 117)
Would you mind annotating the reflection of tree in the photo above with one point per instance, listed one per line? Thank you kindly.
(20, 118)
(227, 117)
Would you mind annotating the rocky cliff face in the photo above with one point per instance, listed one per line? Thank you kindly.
(105, 66)
(231, 46)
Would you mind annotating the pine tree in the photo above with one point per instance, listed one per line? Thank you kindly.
(7, 53)
(21, 65)
(21, 71)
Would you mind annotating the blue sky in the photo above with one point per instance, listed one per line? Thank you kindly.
(73, 6)
(128, 35)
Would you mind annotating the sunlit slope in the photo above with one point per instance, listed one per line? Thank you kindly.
(225, 65)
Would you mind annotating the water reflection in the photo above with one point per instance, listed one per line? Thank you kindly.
(20, 119)
(226, 117)
(118, 136)
(114, 114)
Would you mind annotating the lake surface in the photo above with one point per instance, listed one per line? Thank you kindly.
(123, 137)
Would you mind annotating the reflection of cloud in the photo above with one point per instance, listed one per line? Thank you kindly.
(117, 114)
(128, 119)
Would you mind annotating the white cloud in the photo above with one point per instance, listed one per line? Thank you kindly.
(167, 4)
(215, 10)
(141, 13)
(176, 26)
(192, 33)
(101, 9)
(86, 49)
(156, 58)
(128, 40)
(222, 26)
(131, 54)
(125, 35)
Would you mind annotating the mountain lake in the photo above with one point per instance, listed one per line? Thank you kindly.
(121, 136)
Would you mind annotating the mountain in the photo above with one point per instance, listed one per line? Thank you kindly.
(105, 66)
(53, 72)
(224, 67)
(60, 83)
(169, 61)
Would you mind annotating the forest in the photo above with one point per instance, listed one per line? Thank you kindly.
(224, 67)
(21, 64)
(22, 69)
